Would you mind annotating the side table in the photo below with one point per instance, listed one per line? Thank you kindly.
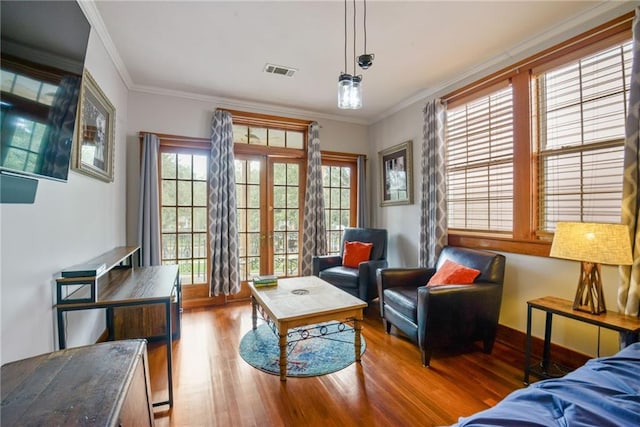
(629, 326)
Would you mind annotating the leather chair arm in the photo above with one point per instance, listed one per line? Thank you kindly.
(367, 274)
(323, 262)
(393, 277)
(481, 299)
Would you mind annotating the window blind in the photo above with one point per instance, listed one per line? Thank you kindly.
(582, 109)
(480, 163)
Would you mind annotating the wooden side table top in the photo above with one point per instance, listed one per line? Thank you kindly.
(610, 319)
(77, 386)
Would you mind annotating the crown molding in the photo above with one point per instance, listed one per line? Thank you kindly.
(598, 14)
(249, 106)
(97, 24)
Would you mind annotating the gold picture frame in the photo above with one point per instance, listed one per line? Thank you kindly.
(93, 153)
(396, 172)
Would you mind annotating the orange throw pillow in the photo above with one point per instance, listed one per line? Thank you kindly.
(355, 253)
(452, 273)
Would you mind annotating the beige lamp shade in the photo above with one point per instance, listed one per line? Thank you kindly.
(598, 243)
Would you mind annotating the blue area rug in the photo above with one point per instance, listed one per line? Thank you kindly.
(317, 355)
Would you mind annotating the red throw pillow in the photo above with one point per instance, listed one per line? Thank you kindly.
(355, 253)
(452, 273)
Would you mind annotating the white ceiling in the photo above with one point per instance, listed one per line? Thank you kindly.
(217, 49)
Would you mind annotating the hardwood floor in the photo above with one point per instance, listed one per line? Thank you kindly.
(214, 386)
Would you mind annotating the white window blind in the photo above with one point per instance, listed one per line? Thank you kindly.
(582, 110)
(480, 163)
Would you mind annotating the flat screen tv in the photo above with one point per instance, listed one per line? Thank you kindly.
(43, 49)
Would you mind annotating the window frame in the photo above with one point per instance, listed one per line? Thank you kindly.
(338, 159)
(525, 238)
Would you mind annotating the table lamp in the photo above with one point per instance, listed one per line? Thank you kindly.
(592, 244)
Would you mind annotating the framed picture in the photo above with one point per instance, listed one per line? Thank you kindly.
(95, 144)
(397, 175)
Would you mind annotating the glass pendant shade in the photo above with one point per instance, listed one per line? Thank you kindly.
(344, 91)
(355, 99)
(349, 92)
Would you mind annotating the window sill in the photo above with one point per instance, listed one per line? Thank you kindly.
(525, 247)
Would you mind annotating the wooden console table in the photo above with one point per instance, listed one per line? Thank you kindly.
(104, 384)
(627, 325)
(125, 287)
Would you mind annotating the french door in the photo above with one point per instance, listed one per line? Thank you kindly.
(269, 202)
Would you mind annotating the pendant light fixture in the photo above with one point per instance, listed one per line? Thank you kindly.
(349, 85)
(366, 59)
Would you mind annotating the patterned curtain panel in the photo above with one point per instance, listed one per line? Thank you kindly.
(314, 237)
(629, 290)
(362, 208)
(433, 205)
(149, 207)
(223, 222)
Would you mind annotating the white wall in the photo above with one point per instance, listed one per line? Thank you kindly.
(192, 117)
(69, 223)
(527, 277)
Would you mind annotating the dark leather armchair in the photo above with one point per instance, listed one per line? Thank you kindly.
(447, 315)
(361, 281)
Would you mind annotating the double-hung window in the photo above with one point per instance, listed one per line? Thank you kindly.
(540, 142)
(480, 163)
(582, 108)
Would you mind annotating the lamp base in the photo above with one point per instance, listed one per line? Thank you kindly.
(589, 296)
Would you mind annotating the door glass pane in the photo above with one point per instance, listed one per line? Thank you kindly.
(168, 165)
(199, 168)
(200, 245)
(286, 217)
(240, 134)
(258, 136)
(184, 219)
(276, 138)
(200, 193)
(184, 166)
(184, 193)
(200, 219)
(248, 191)
(295, 139)
(168, 220)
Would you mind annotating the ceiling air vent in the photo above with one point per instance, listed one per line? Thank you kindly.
(279, 69)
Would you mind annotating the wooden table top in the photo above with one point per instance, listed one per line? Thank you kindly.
(610, 319)
(129, 285)
(299, 297)
(77, 386)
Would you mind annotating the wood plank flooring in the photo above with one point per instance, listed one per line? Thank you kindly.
(214, 386)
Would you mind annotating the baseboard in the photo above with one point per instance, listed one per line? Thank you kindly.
(562, 355)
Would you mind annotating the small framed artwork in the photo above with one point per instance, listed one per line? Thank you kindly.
(95, 144)
(396, 175)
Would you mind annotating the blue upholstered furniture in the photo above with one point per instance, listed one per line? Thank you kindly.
(361, 281)
(603, 392)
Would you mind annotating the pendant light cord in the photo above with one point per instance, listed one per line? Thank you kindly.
(345, 36)
(354, 37)
(365, 26)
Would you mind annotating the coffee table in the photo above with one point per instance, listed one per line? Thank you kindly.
(302, 301)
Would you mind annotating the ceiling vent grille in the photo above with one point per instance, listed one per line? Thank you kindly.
(279, 69)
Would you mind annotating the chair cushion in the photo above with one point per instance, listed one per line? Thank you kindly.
(342, 277)
(355, 253)
(452, 273)
(404, 300)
